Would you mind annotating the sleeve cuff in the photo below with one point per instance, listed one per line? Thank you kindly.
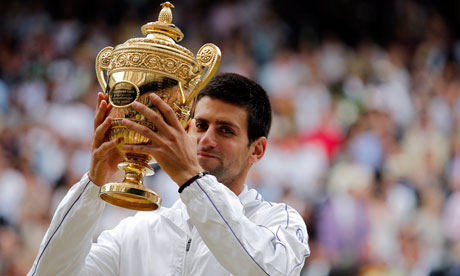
(195, 189)
(92, 191)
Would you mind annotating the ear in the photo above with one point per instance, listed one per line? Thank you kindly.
(257, 149)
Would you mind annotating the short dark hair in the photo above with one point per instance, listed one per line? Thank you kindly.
(240, 91)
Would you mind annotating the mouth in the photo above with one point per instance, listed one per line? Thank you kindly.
(206, 155)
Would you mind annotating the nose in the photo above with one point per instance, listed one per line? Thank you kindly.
(207, 139)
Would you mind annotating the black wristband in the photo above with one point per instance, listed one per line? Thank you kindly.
(191, 180)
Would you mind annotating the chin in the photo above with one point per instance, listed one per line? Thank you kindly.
(207, 164)
(214, 169)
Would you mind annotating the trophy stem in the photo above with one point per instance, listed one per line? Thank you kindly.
(136, 167)
(134, 174)
(131, 193)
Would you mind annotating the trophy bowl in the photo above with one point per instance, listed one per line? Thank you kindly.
(131, 72)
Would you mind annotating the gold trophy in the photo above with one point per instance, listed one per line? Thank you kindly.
(136, 68)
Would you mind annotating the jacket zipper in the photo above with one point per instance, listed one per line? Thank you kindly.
(187, 248)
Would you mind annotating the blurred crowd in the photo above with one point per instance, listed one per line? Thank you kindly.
(365, 142)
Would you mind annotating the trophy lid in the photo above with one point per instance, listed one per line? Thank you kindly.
(162, 33)
(163, 27)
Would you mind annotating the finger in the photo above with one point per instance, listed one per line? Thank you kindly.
(100, 114)
(143, 130)
(153, 117)
(106, 147)
(109, 107)
(191, 127)
(99, 133)
(192, 130)
(100, 97)
(167, 112)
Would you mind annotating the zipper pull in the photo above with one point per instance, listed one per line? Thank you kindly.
(187, 248)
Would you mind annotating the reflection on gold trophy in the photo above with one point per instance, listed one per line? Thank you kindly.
(136, 68)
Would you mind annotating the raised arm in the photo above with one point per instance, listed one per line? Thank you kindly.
(67, 246)
(274, 241)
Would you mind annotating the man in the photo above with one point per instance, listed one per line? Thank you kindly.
(217, 227)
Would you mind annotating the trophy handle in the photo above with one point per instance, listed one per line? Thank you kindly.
(102, 63)
(207, 57)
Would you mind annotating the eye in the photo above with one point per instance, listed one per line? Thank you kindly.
(226, 131)
(201, 126)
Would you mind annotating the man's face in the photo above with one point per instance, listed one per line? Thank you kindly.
(222, 140)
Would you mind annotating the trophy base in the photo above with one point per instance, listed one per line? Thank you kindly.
(134, 197)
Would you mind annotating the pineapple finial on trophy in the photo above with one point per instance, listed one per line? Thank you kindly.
(165, 15)
(163, 28)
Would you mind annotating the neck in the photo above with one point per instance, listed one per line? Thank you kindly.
(236, 185)
(237, 189)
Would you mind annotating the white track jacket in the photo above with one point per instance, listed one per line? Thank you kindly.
(208, 231)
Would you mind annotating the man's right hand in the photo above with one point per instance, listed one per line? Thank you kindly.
(105, 156)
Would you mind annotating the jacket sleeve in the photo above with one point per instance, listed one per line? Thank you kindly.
(67, 247)
(276, 245)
